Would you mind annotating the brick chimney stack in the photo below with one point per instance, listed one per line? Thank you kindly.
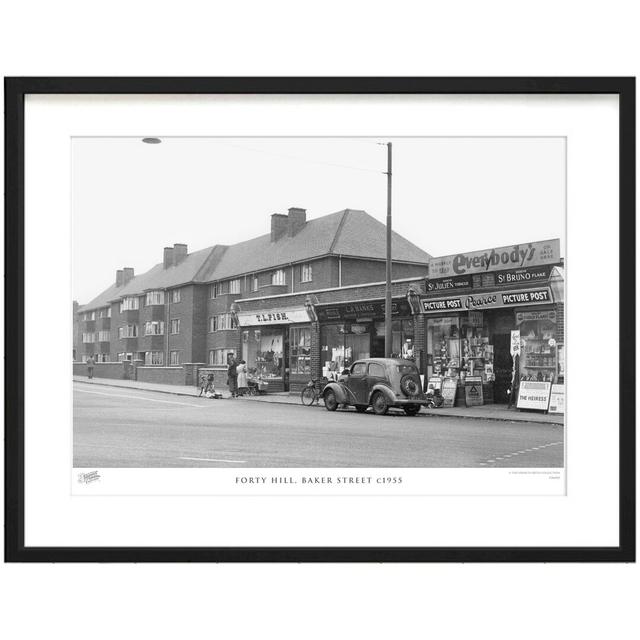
(179, 253)
(279, 224)
(128, 274)
(119, 278)
(297, 220)
(167, 258)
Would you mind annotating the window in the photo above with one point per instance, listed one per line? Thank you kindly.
(153, 358)
(174, 358)
(359, 369)
(125, 356)
(175, 326)
(279, 277)
(300, 351)
(306, 273)
(221, 322)
(103, 313)
(219, 356)
(219, 289)
(234, 286)
(154, 297)
(88, 338)
(128, 331)
(129, 304)
(377, 370)
(104, 336)
(175, 296)
(154, 328)
(89, 315)
(108, 312)
(102, 357)
(253, 282)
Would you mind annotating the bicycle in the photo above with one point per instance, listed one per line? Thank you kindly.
(312, 392)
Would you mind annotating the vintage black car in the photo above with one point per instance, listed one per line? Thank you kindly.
(379, 383)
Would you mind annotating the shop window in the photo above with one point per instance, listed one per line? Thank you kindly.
(262, 349)
(342, 344)
(300, 351)
(539, 351)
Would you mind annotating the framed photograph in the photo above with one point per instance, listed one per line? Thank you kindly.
(320, 319)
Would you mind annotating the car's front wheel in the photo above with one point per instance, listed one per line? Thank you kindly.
(412, 409)
(330, 401)
(379, 403)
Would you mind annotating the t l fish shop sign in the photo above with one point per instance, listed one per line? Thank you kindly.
(515, 256)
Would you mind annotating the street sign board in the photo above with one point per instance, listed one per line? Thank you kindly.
(534, 395)
(473, 391)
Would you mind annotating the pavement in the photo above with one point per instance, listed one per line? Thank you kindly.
(121, 426)
(485, 412)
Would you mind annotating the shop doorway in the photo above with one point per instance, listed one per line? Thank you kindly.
(502, 364)
(377, 345)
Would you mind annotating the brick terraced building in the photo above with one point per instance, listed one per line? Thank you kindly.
(304, 300)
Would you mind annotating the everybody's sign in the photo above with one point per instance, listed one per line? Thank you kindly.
(510, 257)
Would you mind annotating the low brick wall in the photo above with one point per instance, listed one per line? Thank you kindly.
(161, 375)
(219, 375)
(115, 370)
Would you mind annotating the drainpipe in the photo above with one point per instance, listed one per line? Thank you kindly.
(293, 288)
(167, 323)
(340, 270)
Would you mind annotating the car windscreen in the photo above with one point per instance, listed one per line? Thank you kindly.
(407, 368)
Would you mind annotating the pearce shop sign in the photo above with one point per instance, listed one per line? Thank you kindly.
(491, 279)
(477, 302)
(361, 311)
(518, 256)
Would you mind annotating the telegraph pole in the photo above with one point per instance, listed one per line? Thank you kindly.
(388, 336)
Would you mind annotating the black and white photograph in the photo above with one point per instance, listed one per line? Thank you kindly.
(364, 318)
(318, 303)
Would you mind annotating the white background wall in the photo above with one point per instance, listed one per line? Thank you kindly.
(329, 38)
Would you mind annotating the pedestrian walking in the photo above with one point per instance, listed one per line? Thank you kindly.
(243, 385)
(232, 375)
(90, 364)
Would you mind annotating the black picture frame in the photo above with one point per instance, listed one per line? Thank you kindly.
(15, 91)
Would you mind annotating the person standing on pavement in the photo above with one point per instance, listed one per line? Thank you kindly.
(243, 386)
(90, 364)
(232, 374)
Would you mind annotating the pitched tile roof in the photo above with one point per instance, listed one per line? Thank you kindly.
(158, 278)
(349, 233)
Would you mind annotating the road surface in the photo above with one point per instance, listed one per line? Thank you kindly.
(115, 427)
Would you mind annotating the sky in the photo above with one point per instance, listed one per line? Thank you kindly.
(450, 195)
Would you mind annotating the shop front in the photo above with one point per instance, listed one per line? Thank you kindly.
(355, 330)
(471, 332)
(276, 345)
